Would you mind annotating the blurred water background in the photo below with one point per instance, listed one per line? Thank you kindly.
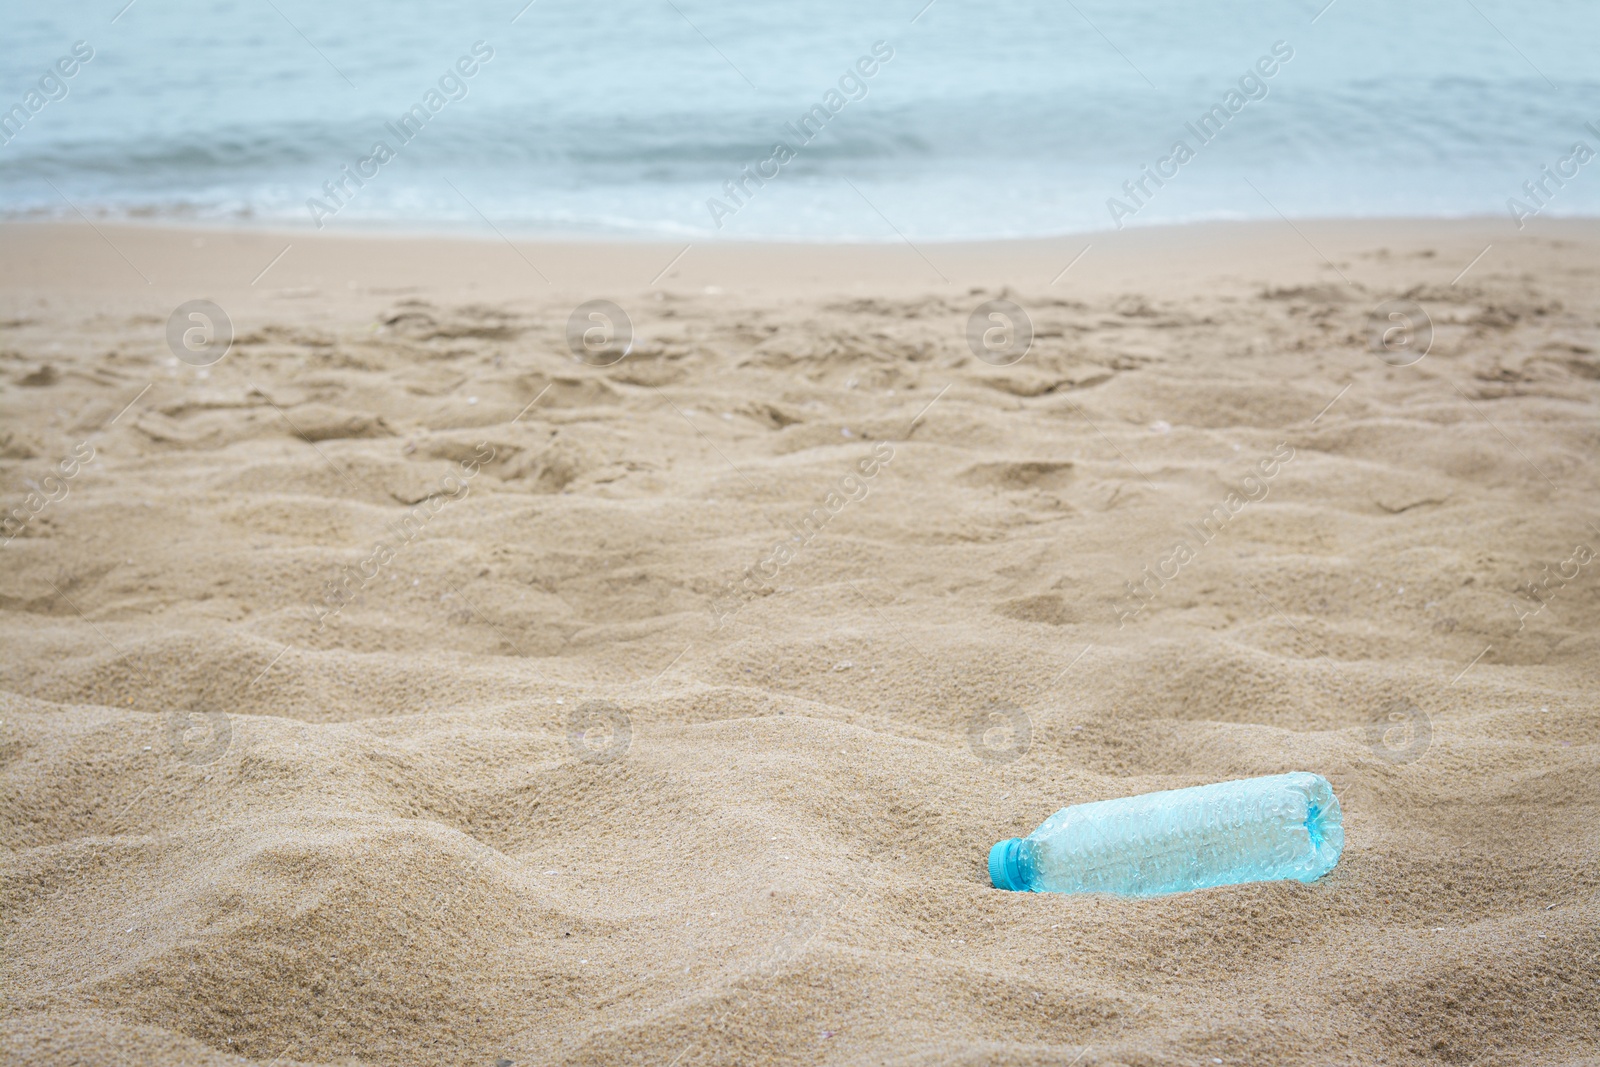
(624, 118)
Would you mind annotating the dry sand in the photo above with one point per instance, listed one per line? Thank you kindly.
(235, 834)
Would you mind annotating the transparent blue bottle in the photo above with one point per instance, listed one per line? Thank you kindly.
(1252, 830)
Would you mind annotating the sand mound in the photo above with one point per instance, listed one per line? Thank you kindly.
(401, 690)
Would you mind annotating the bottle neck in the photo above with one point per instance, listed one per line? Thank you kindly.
(1011, 865)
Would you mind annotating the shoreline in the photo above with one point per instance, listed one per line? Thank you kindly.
(126, 259)
(476, 230)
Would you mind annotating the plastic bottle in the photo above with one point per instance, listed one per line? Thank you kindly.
(1252, 830)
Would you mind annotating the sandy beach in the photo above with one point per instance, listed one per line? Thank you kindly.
(399, 688)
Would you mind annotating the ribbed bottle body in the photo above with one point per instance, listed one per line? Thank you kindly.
(1285, 826)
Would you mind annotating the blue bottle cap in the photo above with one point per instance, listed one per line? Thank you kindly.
(1005, 866)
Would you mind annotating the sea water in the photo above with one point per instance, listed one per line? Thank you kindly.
(634, 117)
